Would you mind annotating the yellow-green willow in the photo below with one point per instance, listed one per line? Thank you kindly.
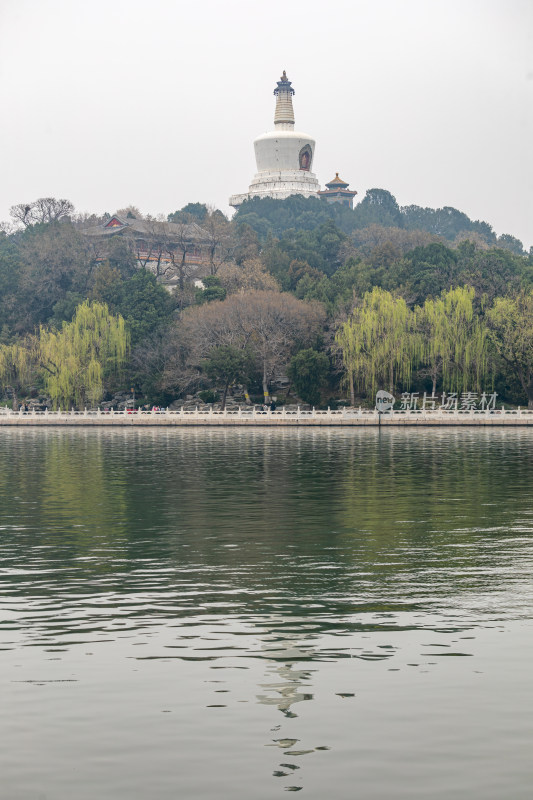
(78, 357)
(378, 342)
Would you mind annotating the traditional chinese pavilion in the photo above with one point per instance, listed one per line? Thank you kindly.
(167, 249)
(337, 191)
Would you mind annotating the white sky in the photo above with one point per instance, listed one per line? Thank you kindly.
(156, 103)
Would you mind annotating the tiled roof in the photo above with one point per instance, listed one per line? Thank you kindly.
(189, 230)
(337, 181)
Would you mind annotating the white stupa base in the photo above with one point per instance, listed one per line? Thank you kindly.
(279, 185)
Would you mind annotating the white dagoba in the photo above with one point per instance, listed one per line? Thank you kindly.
(284, 156)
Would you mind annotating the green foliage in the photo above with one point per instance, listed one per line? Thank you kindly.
(380, 207)
(10, 268)
(213, 290)
(17, 366)
(378, 343)
(227, 364)
(510, 323)
(319, 249)
(308, 370)
(269, 216)
(298, 269)
(192, 212)
(144, 304)
(275, 217)
(316, 250)
(55, 259)
(508, 242)
(65, 308)
(454, 340)
(208, 396)
(84, 356)
(427, 271)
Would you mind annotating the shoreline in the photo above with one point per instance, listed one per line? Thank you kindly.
(269, 419)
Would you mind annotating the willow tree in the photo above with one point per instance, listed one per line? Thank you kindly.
(510, 323)
(454, 339)
(83, 355)
(18, 366)
(378, 343)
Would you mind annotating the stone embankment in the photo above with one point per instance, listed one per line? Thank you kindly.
(249, 416)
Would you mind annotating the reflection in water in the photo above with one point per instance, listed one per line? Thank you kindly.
(291, 565)
(288, 684)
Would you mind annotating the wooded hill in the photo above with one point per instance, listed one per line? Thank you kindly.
(335, 301)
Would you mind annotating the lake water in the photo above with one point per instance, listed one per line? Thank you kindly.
(239, 613)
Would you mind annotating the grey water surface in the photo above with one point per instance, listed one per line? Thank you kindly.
(239, 613)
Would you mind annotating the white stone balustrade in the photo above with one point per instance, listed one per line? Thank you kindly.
(257, 416)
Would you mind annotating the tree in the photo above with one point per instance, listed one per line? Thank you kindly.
(276, 324)
(84, 355)
(219, 239)
(55, 259)
(454, 339)
(308, 370)
(18, 364)
(378, 206)
(247, 243)
(10, 269)
(192, 212)
(365, 241)
(250, 275)
(144, 304)
(227, 364)
(183, 242)
(270, 325)
(508, 242)
(510, 322)
(377, 343)
(43, 210)
(212, 290)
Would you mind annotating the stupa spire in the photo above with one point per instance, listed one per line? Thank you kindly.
(284, 156)
(284, 114)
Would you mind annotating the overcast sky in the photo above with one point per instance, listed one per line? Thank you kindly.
(156, 103)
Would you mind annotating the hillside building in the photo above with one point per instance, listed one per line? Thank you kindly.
(172, 251)
(337, 191)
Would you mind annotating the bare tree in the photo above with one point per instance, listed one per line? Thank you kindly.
(6, 228)
(271, 325)
(251, 275)
(184, 240)
(220, 239)
(45, 209)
